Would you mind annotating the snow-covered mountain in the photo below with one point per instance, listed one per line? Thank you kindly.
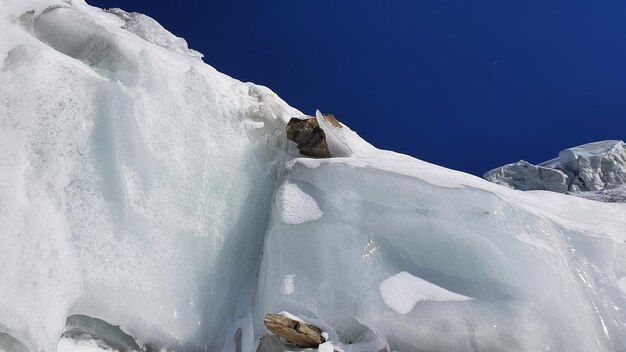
(141, 188)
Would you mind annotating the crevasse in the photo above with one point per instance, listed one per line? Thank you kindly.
(141, 187)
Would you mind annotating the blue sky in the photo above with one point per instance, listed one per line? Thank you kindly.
(469, 85)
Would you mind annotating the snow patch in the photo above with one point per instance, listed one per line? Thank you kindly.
(288, 287)
(402, 291)
(295, 206)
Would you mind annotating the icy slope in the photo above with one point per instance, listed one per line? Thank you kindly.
(140, 187)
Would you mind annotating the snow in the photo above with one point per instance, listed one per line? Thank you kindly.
(326, 347)
(524, 176)
(295, 206)
(590, 171)
(87, 345)
(402, 291)
(609, 195)
(590, 150)
(142, 188)
(288, 287)
(291, 316)
(131, 189)
(534, 264)
(150, 30)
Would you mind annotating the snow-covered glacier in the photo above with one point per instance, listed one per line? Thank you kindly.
(593, 170)
(141, 188)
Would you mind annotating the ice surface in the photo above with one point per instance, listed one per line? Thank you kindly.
(144, 189)
(536, 279)
(78, 326)
(535, 264)
(595, 166)
(131, 190)
(86, 345)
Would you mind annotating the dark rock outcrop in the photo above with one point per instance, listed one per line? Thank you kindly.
(296, 332)
(310, 138)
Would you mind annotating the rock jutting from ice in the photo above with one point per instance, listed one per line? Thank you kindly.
(310, 138)
(296, 332)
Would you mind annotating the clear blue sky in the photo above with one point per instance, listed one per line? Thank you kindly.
(465, 84)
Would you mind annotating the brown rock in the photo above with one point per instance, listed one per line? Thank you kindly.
(310, 138)
(332, 120)
(296, 332)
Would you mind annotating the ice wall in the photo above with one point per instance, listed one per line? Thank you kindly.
(135, 180)
(591, 167)
(436, 268)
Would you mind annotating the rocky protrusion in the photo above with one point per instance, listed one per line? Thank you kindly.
(310, 138)
(296, 332)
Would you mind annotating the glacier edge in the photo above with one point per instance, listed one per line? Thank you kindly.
(139, 186)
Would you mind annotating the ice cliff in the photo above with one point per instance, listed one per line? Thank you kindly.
(587, 168)
(141, 188)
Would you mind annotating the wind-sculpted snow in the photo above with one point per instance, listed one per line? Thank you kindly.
(140, 190)
(402, 291)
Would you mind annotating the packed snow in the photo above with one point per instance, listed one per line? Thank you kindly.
(288, 287)
(148, 200)
(295, 206)
(402, 291)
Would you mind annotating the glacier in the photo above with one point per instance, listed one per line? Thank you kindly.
(144, 194)
(594, 170)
